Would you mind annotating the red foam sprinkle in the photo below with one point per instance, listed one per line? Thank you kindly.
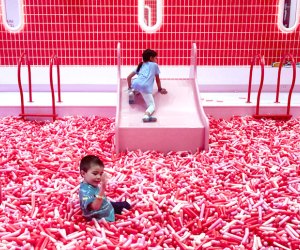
(241, 194)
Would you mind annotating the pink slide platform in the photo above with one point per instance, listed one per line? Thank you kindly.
(181, 122)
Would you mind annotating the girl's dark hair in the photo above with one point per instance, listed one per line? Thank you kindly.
(146, 57)
(89, 160)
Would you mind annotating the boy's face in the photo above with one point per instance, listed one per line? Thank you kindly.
(93, 175)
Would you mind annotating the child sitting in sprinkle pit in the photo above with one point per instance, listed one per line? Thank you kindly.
(93, 201)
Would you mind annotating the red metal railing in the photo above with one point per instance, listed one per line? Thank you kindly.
(20, 82)
(52, 60)
(262, 64)
(280, 116)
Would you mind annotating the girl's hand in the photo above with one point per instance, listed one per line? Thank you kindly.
(163, 91)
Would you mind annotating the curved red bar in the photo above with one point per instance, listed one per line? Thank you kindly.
(260, 85)
(55, 60)
(262, 64)
(290, 56)
(20, 82)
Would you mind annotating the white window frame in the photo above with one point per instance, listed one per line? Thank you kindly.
(20, 10)
(141, 16)
(295, 8)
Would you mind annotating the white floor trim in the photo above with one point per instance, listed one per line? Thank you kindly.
(217, 104)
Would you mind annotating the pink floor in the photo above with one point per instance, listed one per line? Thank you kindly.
(241, 194)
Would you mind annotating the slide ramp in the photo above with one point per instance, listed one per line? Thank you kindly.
(181, 122)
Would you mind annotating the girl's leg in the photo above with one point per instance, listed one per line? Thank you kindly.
(131, 96)
(149, 100)
(118, 206)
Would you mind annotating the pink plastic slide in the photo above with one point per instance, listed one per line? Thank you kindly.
(181, 122)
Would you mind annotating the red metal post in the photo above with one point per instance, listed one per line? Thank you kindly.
(51, 85)
(262, 64)
(29, 79)
(261, 84)
(55, 60)
(20, 84)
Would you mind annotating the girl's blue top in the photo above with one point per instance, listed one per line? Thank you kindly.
(87, 194)
(145, 80)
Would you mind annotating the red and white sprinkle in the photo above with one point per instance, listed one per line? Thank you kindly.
(241, 194)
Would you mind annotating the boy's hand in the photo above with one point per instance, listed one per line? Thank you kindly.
(104, 178)
(163, 91)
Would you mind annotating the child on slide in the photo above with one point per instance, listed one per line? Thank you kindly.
(146, 71)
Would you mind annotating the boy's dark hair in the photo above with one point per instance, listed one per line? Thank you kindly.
(89, 160)
(146, 57)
